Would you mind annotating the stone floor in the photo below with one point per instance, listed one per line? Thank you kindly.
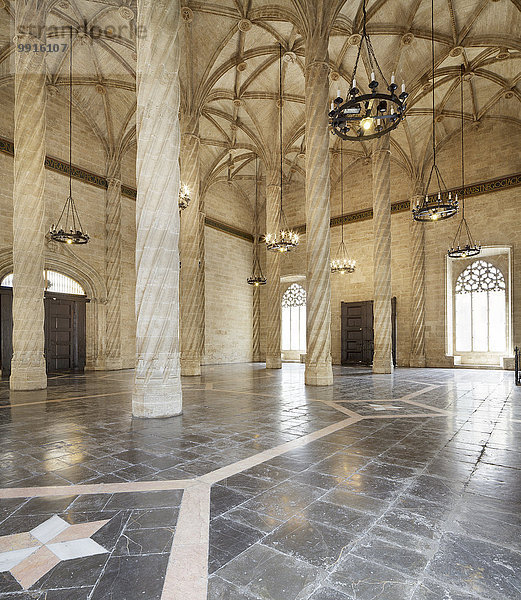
(397, 488)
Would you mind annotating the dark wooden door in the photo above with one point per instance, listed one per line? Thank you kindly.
(357, 336)
(6, 330)
(64, 334)
(357, 333)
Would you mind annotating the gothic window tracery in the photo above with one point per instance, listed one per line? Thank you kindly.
(480, 309)
(295, 295)
(294, 318)
(480, 276)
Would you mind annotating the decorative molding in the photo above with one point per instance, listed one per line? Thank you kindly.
(219, 226)
(129, 192)
(474, 189)
(58, 166)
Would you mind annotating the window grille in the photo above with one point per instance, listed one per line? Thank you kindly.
(54, 282)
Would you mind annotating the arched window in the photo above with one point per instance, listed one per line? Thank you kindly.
(54, 282)
(480, 302)
(294, 318)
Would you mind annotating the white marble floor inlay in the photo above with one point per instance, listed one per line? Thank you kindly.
(30, 555)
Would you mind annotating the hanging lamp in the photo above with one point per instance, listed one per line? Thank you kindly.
(441, 205)
(256, 278)
(364, 117)
(184, 197)
(71, 231)
(342, 264)
(463, 245)
(285, 239)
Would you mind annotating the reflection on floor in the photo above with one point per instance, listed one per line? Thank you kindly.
(397, 488)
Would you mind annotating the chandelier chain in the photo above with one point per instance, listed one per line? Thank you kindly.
(342, 185)
(462, 145)
(70, 111)
(433, 96)
(280, 123)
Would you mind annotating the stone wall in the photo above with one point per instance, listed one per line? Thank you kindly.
(85, 263)
(228, 299)
(491, 152)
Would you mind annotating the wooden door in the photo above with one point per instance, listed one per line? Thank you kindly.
(357, 335)
(64, 334)
(6, 330)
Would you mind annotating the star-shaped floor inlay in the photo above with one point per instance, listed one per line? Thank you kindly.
(31, 554)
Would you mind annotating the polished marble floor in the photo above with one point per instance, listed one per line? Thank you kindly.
(403, 487)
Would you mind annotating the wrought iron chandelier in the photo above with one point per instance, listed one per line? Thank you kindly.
(285, 239)
(71, 232)
(184, 197)
(463, 245)
(342, 264)
(441, 205)
(367, 116)
(256, 278)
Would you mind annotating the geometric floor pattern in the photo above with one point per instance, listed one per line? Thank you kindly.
(392, 487)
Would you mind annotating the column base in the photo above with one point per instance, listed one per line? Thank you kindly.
(157, 400)
(113, 364)
(382, 367)
(417, 362)
(190, 367)
(273, 362)
(27, 377)
(319, 374)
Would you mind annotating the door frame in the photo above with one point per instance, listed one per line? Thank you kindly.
(6, 328)
(368, 305)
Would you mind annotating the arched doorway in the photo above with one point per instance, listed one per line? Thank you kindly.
(65, 323)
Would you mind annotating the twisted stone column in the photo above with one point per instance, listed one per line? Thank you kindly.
(201, 279)
(417, 358)
(28, 363)
(256, 342)
(274, 309)
(113, 272)
(381, 161)
(318, 303)
(192, 273)
(157, 387)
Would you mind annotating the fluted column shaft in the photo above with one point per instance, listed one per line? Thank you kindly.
(417, 358)
(113, 271)
(192, 271)
(157, 386)
(318, 302)
(273, 299)
(28, 362)
(381, 162)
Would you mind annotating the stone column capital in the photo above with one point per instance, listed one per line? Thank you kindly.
(191, 135)
(377, 151)
(26, 36)
(113, 181)
(317, 65)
